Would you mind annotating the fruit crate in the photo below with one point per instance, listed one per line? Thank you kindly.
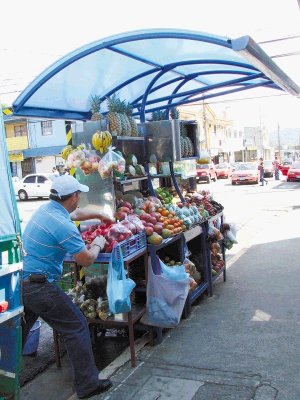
(128, 247)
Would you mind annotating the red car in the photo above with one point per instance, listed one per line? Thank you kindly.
(223, 170)
(245, 173)
(206, 172)
(284, 167)
(293, 174)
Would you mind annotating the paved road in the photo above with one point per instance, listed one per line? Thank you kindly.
(240, 344)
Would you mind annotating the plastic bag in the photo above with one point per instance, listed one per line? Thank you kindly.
(118, 232)
(134, 219)
(84, 158)
(165, 298)
(111, 161)
(175, 273)
(119, 286)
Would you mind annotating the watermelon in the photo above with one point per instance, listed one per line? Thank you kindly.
(132, 160)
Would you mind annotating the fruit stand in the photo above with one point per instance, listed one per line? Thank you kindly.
(139, 158)
(10, 277)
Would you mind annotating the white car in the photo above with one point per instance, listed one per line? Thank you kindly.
(33, 185)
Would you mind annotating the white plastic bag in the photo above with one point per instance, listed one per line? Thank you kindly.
(166, 297)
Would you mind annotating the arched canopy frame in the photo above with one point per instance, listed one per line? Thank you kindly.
(151, 69)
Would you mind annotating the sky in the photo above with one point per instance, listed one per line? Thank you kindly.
(36, 33)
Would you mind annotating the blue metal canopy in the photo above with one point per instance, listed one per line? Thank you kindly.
(151, 69)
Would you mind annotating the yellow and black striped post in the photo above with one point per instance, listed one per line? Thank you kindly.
(69, 136)
(7, 111)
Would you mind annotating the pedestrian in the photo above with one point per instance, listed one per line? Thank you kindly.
(55, 171)
(261, 172)
(48, 236)
(276, 168)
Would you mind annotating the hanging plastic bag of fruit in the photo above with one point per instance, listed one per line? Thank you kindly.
(83, 157)
(118, 286)
(166, 296)
(111, 161)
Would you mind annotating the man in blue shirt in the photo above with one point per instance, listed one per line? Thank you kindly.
(48, 236)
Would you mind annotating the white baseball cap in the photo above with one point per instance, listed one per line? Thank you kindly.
(67, 184)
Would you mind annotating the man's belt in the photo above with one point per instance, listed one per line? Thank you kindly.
(37, 278)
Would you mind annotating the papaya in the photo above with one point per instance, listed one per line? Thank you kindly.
(154, 239)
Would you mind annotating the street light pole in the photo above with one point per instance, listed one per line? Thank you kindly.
(278, 136)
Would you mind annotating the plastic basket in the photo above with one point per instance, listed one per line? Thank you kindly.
(128, 247)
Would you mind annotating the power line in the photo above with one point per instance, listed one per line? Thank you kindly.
(280, 39)
(295, 53)
(234, 100)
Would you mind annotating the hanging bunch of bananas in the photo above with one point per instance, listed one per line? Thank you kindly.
(101, 140)
(66, 151)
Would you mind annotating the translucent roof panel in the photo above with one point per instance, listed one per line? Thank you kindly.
(150, 69)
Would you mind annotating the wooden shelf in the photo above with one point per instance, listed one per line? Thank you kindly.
(130, 180)
(165, 242)
(215, 277)
(192, 233)
(10, 268)
(117, 320)
(165, 175)
(125, 138)
(10, 314)
(197, 292)
(215, 217)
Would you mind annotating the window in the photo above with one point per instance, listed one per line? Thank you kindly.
(41, 179)
(46, 128)
(20, 130)
(30, 179)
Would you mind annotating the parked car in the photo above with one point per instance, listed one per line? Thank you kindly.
(268, 169)
(245, 173)
(284, 167)
(33, 185)
(223, 170)
(293, 173)
(206, 172)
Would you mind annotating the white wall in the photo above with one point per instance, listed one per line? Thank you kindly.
(44, 164)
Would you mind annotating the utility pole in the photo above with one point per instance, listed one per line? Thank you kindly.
(205, 127)
(278, 136)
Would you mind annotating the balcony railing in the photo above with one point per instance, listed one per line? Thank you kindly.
(17, 143)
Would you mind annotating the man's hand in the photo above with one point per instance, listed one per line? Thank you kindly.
(106, 218)
(99, 241)
(85, 214)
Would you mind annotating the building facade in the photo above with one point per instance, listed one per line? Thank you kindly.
(33, 145)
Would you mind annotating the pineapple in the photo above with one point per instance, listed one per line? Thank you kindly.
(174, 113)
(190, 147)
(133, 125)
(125, 124)
(113, 117)
(95, 107)
(182, 146)
(159, 115)
(183, 140)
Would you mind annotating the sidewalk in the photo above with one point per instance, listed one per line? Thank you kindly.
(243, 343)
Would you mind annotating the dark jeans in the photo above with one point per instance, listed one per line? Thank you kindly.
(276, 174)
(48, 301)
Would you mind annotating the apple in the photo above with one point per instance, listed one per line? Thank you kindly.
(149, 230)
(158, 228)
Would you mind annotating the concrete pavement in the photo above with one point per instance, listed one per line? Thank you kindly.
(243, 343)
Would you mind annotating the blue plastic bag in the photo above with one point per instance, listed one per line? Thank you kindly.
(173, 273)
(119, 287)
(166, 296)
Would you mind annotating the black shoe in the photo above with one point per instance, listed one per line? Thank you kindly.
(104, 385)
